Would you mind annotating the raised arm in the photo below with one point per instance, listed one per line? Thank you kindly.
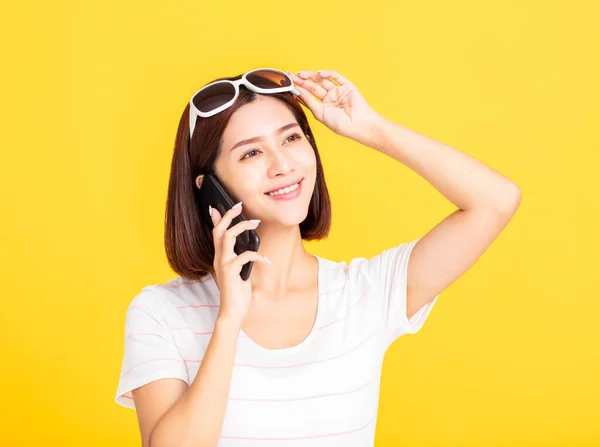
(486, 200)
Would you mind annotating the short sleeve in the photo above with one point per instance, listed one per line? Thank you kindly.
(150, 352)
(388, 272)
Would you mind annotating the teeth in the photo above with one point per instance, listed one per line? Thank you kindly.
(284, 190)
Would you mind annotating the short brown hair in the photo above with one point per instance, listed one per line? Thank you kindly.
(188, 240)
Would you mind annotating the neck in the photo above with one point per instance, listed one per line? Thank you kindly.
(291, 266)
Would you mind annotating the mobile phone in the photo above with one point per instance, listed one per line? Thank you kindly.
(213, 193)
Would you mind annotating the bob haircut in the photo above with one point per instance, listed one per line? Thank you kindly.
(188, 240)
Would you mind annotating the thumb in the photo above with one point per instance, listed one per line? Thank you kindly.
(215, 216)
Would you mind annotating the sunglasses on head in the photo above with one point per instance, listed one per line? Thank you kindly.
(219, 95)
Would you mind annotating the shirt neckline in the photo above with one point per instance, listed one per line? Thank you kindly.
(309, 337)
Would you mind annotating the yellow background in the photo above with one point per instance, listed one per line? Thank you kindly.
(91, 96)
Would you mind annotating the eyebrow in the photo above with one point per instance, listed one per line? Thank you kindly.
(256, 139)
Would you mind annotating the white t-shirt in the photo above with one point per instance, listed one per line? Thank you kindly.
(321, 392)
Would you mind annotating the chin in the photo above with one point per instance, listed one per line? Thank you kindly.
(282, 215)
(291, 217)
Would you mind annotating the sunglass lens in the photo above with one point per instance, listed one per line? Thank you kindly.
(269, 79)
(214, 96)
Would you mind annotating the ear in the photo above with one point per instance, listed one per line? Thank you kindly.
(199, 180)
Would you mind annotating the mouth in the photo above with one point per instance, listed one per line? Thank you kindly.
(289, 192)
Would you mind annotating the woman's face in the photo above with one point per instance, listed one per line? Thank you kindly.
(281, 155)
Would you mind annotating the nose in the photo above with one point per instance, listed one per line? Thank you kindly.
(281, 162)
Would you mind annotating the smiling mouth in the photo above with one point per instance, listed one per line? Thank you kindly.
(285, 190)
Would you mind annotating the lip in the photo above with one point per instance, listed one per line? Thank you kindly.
(290, 195)
(285, 185)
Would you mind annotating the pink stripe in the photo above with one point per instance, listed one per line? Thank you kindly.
(347, 312)
(297, 398)
(299, 364)
(141, 334)
(309, 397)
(302, 437)
(189, 329)
(197, 306)
(174, 286)
(149, 361)
(147, 309)
(183, 329)
(332, 291)
(257, 366)
(316, 329)
(137, 306)
(345, 267)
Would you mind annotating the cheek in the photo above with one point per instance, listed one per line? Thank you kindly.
(246, 181)
(238, 182)
(306, 159)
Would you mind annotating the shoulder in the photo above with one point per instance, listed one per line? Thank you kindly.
(343, 274)
(391, 258)
(177, 292)
(367, 268)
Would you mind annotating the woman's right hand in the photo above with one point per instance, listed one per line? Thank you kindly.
(236, 294)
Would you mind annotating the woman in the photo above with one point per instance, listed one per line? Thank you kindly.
(293, 355)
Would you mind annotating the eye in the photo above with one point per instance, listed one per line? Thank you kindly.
(295, 135)
(249, 152)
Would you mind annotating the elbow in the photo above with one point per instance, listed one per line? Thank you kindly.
(510, 201)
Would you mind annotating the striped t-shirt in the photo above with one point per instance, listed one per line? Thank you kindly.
(321, 392)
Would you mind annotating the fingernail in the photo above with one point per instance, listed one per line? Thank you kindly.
(300, 73)
(237, 205)
(210, 210)
(267, 259)
(255, 220)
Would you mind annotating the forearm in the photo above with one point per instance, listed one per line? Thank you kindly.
(196, 419)
(465, 181)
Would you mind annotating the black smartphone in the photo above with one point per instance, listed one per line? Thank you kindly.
(213, 193)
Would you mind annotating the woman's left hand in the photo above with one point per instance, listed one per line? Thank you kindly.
(339, 105)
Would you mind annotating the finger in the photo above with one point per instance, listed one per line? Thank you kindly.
(214, 214)
(316, 77)
(310, 85)
(330, 74)
(248, 256)
(310, 101)
(224, 222)
(229, 237)
(306, 74)
(215, 217)
(295, 78)
(329, 85)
